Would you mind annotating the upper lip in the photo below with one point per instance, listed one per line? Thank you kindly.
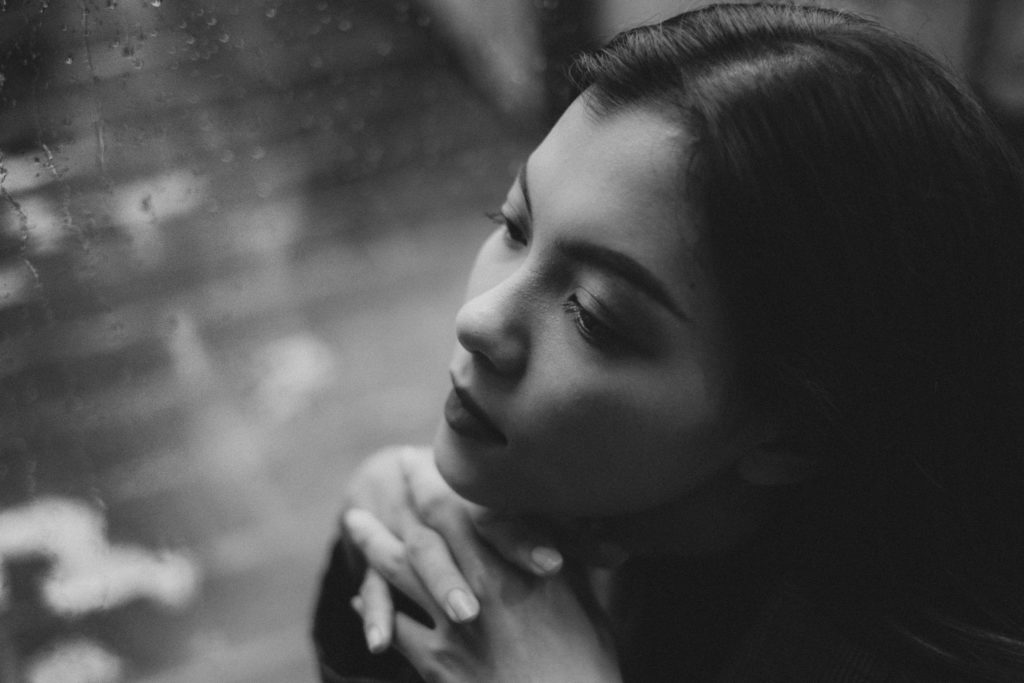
(474, 408)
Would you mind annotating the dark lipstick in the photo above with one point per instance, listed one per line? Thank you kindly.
(466, 418)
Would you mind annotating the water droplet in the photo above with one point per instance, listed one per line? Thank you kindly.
(212, 21)
(258, 153)
(344, 25)
(227, 156)
(156, 3)
(224, 38)
(271, 12)
(69, 60)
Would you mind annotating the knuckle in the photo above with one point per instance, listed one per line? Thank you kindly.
(433, 508)
(421, 542)
(390, 565)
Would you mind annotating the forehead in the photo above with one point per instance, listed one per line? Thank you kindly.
(619, 178)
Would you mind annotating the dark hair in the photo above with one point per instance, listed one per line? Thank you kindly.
(865, 222)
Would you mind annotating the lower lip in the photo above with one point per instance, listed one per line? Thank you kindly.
(467, 424)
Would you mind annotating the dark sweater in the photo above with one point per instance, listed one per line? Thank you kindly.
(674, 621)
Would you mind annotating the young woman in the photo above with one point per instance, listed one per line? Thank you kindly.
(753, 319)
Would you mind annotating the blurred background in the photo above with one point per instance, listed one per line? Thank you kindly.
(233, 236)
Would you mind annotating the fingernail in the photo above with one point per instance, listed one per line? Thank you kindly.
(374, 639)
(546, 560)
(461, 606)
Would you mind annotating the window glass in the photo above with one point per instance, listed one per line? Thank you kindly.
(233, 236)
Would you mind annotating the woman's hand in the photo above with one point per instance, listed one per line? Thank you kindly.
(529, 628)
(402, 488)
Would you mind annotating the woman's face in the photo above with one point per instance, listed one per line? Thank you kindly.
(592, 374)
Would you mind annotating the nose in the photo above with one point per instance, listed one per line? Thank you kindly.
(493, 327)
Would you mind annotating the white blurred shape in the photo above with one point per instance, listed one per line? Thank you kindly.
(88, 573)
(139, 207)
(41, 219)
(75, 661)
(119, 575)
(291, 371)
(17, 284)
(24, 172)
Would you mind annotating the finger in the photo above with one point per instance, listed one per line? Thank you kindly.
(413, 641)
(377, 611)
(521, 543)
(377, 485)
(442, 510)
(386, 554)
(436, 505)
(442, 525)
(430, 558)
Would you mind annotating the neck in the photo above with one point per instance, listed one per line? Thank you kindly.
(711, 521)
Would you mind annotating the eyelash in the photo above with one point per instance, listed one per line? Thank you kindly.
(588, 324)
(513, 232)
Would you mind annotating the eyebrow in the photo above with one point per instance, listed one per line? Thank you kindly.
(610, 260)
(623, 266)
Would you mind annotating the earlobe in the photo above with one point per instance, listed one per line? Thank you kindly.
(770, 465)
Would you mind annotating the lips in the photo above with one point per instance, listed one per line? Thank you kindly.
(466, 418)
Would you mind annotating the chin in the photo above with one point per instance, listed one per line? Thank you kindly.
(459, 466)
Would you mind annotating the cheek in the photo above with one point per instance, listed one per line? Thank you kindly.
(621, 445)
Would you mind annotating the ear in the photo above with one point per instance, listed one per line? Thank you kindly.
(773, 464)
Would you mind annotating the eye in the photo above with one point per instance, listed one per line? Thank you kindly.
(589, 325)
(514, 232)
